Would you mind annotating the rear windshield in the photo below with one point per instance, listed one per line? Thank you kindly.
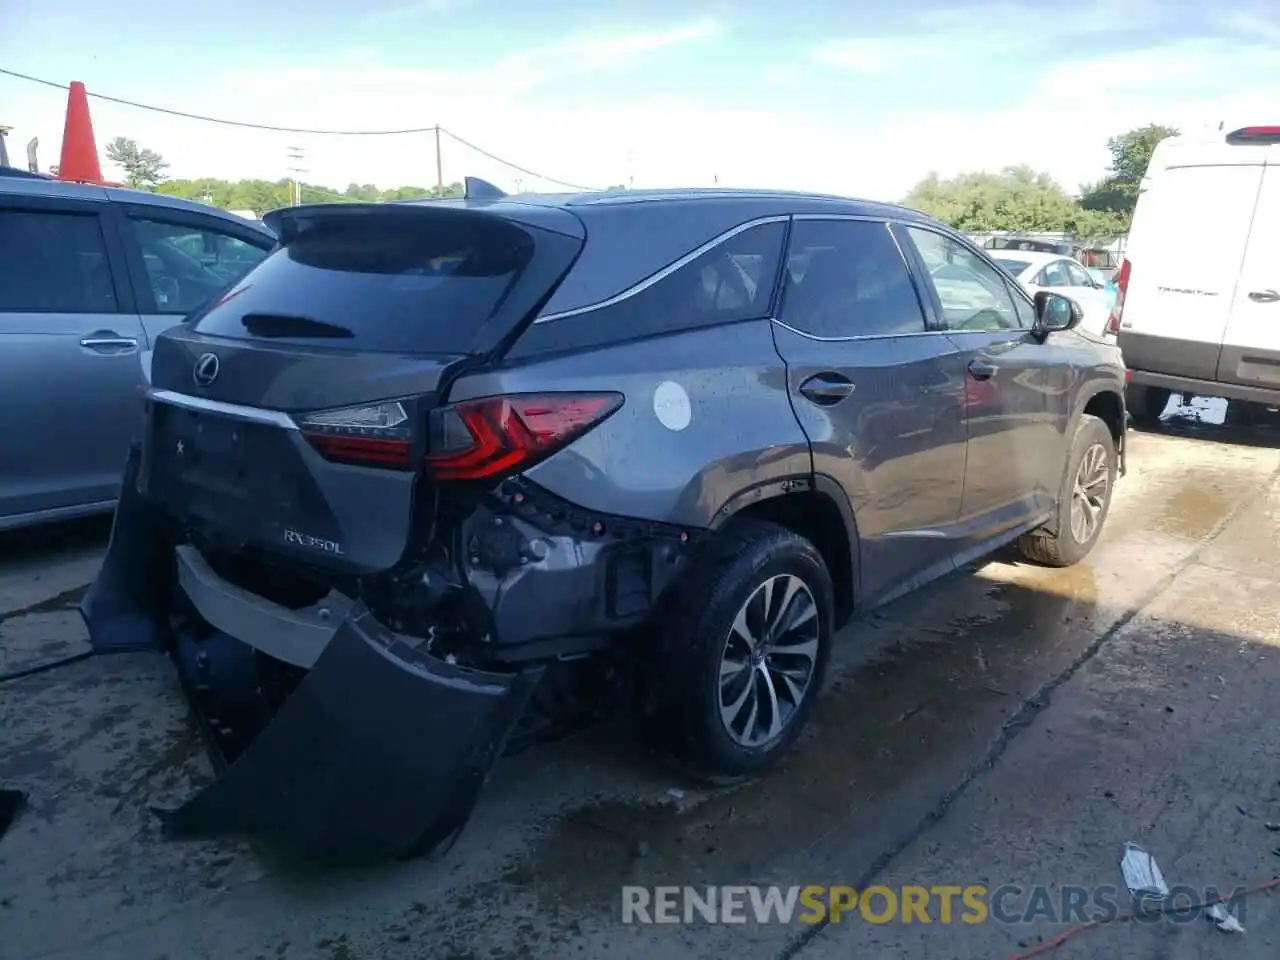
(400, 284)
(1013, 267)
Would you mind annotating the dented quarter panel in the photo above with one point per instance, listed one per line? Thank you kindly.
(741, 430)
(605, 572)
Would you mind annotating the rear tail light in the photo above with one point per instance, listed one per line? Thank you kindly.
(1117, 308)
(485, 438)
(373, 435)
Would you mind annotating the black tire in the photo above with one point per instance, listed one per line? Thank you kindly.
(1145, 404)
(1242, 413)
(745, 557)
(1064, 549)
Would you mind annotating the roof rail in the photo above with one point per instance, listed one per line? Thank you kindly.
(20, 174)
(473, 188)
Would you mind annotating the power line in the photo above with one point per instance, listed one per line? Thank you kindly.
(528, 173)
(219, 120)
(244, 124)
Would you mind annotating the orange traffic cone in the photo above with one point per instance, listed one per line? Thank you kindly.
(79, 160)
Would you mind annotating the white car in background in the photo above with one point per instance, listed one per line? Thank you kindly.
(1061, 275)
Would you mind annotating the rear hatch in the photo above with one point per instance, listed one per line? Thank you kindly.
(291, 414)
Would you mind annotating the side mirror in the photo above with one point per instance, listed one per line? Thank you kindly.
(1055, 312)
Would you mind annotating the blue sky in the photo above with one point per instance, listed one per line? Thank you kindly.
(821, 94)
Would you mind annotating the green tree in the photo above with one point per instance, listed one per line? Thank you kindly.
(144, 169)
(263, 195)
(1117, 192)
(1016, 198)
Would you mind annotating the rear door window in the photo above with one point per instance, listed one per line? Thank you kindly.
(54, 263)
(400, 284)
(847, 278)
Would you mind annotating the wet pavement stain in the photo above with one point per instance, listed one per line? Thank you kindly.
(875, 728)
(1195, 512)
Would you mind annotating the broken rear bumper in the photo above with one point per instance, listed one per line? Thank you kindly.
(380, 753)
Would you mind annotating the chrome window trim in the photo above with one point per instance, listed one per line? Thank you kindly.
(864, 336)
(666, 271)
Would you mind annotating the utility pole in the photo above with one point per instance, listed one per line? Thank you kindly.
(439, 165)
(295, 156)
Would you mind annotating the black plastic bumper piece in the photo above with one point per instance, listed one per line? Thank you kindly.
(379, 754)
(127, 605)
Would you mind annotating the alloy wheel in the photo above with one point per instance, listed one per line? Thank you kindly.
(1089, 494)
(769, 660)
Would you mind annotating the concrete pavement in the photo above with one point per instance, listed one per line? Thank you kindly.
(939, 724)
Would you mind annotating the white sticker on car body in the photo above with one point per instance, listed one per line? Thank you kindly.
(671, 405)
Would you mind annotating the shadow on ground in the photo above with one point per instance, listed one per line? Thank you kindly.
(927, 695)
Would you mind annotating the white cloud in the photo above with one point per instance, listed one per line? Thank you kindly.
(1059, 122)
(878, 55)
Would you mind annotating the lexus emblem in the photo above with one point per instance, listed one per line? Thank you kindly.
(206, 370)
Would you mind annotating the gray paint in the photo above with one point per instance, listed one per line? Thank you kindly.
(72, 407)
(741, 433)
(930, 466)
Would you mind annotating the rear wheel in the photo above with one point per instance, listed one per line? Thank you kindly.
(1242, 413)
(1146, 404)
(1083, 501)
(747, 650)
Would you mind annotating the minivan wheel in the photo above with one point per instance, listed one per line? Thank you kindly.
(1146, 404)
(747, 650)
(1084, 500)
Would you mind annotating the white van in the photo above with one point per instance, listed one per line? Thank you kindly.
(1197, 307)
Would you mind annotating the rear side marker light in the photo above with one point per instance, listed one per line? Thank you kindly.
(373, 435)
(1122, 287)
(492, 436)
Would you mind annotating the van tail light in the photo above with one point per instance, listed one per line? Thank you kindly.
(492, 436)
(1264, 134)
(1122, 287)
(371, 435)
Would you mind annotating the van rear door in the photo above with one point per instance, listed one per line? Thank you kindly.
(1251, 348)
(1190, 233)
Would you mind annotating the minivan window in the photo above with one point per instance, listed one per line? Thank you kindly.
(847, 278)
(401, 284)
(188, 265)
(54, 263)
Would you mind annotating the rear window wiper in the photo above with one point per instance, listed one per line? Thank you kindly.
(284, 325)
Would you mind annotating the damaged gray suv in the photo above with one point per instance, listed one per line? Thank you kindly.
(437, 473)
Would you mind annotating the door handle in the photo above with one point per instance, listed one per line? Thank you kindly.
(103, 343)
(981, 370)
(826, 389)
(1264, 296)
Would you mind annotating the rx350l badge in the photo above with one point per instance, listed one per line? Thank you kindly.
(314, 543)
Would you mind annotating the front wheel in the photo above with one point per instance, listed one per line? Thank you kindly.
(747, 651)
(1084, 500)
